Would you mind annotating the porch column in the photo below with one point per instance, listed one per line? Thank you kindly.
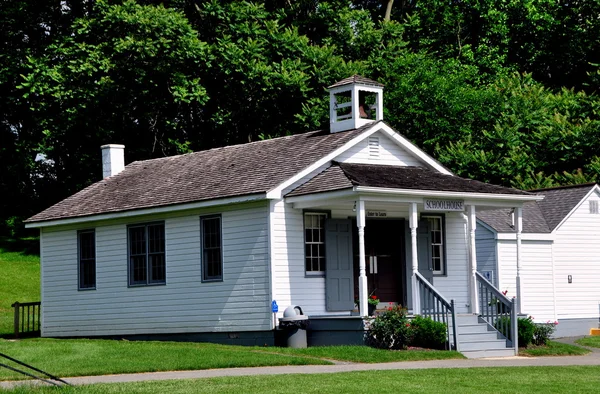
(473, 259)
(362, 275)
(519, 228)
(413, 222)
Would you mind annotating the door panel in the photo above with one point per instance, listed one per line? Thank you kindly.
(339, 282)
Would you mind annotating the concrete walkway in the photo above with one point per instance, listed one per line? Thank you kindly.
(592, 358)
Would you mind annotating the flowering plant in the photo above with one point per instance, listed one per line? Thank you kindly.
(373, 300)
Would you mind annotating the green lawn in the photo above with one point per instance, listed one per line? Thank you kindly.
(81, 357)
(583, 379)
(553, 349)
(591, 341)
(20, 278)
(365, 354)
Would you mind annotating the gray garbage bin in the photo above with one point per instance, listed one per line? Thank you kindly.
(294, 324)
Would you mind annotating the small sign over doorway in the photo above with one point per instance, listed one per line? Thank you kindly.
(377, 214)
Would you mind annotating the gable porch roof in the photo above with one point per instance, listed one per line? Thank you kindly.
(346, 179)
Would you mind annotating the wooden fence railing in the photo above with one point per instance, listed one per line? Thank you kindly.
(27, 318)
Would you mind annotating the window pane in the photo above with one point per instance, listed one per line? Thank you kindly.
(138, 269)
(212, 266)
(87, 259)
(157, 268)
(314, 238)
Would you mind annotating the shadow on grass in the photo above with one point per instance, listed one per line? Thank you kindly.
(27, 246)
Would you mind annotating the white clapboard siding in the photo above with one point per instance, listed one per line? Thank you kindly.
(378, 149)
(577, 253)
(454, 284)
(240, 303)
(486, 251)
(292, 286)
(537, 283)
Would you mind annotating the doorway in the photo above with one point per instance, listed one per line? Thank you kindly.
(385, 260)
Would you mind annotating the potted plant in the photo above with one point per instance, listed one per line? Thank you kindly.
(373, 302)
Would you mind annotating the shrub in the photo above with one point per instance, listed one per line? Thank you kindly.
(542, 332)
(428, 333)
(390, 329)
(525, 329)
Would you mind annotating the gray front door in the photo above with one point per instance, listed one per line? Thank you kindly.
(424, 250)
(339, 283)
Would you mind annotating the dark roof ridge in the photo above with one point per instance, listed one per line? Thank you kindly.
(563, 187)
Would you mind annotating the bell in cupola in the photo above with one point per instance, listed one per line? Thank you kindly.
(354, 102)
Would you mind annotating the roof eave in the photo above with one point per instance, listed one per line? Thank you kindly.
(145, 211)
(440, 193)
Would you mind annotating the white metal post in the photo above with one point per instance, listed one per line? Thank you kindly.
(362, 275)
(413, 222)
(519, 228)
(473, 259)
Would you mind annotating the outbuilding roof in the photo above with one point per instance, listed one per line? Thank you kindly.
(229, 171)
(539, 216)
(347, 175)
(355, 79)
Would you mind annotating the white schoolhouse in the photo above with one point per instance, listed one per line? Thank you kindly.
(201, 244)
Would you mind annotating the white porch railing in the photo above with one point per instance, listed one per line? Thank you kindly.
(498, 311)
(435, 306)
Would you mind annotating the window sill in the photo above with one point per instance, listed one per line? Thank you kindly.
(314, 275)
(146, 284)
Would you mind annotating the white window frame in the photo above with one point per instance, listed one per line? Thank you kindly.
(319, 243)
(440, 246)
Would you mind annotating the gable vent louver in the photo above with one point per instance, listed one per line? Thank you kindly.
(373, 147)
(594, 207)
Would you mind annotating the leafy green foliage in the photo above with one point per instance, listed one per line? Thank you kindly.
(481, 85)
(428, 333)
(525, 329)
(390, 329)
(542, 333)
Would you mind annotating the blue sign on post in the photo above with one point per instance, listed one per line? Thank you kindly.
(274, 307)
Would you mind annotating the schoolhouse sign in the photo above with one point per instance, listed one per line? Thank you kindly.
(444, 205)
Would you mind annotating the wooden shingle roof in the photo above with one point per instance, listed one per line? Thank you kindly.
(346, 175)
(355, 79)
(224, 172)
(540, 216)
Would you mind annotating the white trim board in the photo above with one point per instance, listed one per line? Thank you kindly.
(148, 211)
(595, 188)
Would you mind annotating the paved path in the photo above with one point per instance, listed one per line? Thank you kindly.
(590, 359)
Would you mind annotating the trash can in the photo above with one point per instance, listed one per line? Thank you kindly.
(294, 324)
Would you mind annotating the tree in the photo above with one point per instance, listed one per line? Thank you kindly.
(126, 74)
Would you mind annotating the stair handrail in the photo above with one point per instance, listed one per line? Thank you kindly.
(497, 310)
(51, 379)
(435, 306)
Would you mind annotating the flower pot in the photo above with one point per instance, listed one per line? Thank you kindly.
(371, 309)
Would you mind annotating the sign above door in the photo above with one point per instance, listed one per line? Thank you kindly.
(444, 205)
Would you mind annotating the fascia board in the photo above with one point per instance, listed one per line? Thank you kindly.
(147, 211)
(595, 188)
(526, 237)
(276, 192)
(414, 150)
(470, 198)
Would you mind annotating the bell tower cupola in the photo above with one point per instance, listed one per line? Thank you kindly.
(354, 102)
